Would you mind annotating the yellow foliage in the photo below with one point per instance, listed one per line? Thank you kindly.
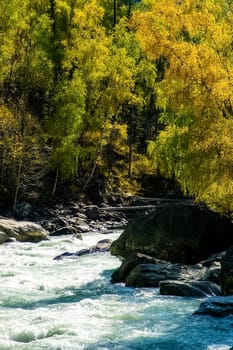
(87, 47)
(116, 138)
(142, 164)
(194, 40)
(10, 140)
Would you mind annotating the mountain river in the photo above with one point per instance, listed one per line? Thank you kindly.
(70, 304)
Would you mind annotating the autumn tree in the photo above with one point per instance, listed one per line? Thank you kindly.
(80, 77)
(193, 40)
(23, 70)
(107, 68)
(135, 109)
(115, 10)
(22, 158)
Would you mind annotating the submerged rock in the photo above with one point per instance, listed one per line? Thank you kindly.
(216, 306)
(150, 275)
(101, 246)
(199, 280)
(134, 259)
(165, 270)
(189, 288)
(23, 231)
(176, 232)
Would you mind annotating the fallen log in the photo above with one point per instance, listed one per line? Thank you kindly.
(138, 207)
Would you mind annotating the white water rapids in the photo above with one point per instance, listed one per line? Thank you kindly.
(70, 305)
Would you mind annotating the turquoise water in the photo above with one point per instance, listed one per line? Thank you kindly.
(70, 305)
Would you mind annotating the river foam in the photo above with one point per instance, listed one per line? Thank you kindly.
(71, 305)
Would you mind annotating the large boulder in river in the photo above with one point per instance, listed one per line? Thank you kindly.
(197, 289)
(176, 232)
(140, 270)
(150, 274)
(227, 272)
(128, 264)
(23, 231)
(216, 306)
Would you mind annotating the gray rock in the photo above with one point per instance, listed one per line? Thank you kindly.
(66, 230)
(82, 226)
(213, 259)
(101, 246)
(134, 259)
(92, 212)
(190, 288)
(149, 275)
(23, 209)
(162, 270)
(24, 231)
(64, 255)
(81, 216)
(4, 237)
(216, 306)
(183, 233)
(214, 271)
(227, 272)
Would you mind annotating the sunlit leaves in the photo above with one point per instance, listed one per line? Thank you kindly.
(194, 40)
(66, 67)
(86, 48)
(64, 125)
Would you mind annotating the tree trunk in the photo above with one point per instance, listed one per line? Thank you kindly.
(55, 183)
(130, 160)
(91, 174)
(114, 12)
(129, 8)
(17, 183)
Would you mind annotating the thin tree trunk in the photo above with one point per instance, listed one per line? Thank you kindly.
(2, 160)
(92, 173)
(99, 152)
(129, 8)
(114, 12)
(17, 183)
(130, 160)
(55, 183)
(55, 43)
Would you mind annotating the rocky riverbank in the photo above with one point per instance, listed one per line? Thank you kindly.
(198, 280)
(182, 249)
(35, 224)
(75, 218)
(160, 249)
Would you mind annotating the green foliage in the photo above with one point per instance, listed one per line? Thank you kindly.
(63, 126)
(71, 77)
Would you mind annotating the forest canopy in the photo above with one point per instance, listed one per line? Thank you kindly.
(192, 40)
(88, 87)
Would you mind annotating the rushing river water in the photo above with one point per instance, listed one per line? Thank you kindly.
(70, 305)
